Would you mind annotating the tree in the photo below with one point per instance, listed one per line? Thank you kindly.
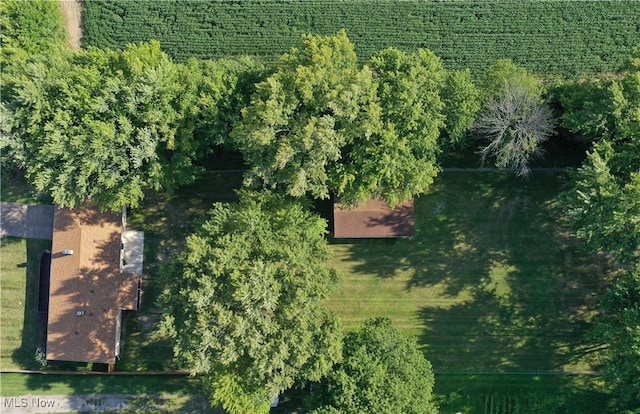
(301, 116)
(595, 109)
(322, 125)
(505, 71)
(104, 125)
(619, 327)
(514, 119)
(461, 104)
(381, 371)
(604, 205)
(243, 301)
(28, 28)
(398, 160)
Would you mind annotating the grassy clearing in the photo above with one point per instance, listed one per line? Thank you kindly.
(491, 281)
(526, 394)
(51, 384)
(166, 221)
(19, 259)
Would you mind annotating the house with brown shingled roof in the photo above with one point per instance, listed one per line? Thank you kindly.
(90, 285)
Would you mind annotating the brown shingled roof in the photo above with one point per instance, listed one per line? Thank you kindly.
(373, 218)
(88, 290)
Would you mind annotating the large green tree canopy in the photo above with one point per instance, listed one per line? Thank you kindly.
(604, 205)
(381, 372)
(302, 116)
(619, 327)
(243, 302)
(322, 124)
(398, 159)
(106, 126)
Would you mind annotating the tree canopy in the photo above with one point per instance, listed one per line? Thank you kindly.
(301, 116)
(28, 28)
(243, 301)
(324, 125)
(105, 125)
(381, 371)
(514, 119)
(619, 327)
(604, 205)
(398, 159)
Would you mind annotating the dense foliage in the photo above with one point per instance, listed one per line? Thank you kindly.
(324, 125)
(30, 27)
(382, 371)
(243, 301)
(107, 126)
(544, 36)
(604, 205)
(619, 327)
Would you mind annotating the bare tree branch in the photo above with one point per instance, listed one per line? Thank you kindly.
(515, 124)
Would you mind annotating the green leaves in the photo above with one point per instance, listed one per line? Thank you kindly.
(619, 327)
(107, 126)
(301, 117)
(242, 303)
(605, 208)
(381, 372)
(321, 125)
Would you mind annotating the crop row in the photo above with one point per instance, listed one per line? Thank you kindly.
(545, 36)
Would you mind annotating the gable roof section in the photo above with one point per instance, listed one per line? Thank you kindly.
(373, 219)
(88, 289)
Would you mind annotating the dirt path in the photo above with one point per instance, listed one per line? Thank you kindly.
(72, 19)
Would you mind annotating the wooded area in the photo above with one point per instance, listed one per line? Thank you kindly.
(335, 117)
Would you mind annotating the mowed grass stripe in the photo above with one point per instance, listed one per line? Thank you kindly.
(491, 279)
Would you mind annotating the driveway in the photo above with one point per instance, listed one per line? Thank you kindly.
(29, 221)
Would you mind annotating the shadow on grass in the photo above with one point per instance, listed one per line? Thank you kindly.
(151, 393)
(167, 220)
(531, 394)
(33, 330)
(15, 188)
(520, 296)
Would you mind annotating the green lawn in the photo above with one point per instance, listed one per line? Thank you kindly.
(525, 394)
(490, 282)
(19, 266)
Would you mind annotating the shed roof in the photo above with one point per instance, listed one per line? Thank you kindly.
(87, 288)
(372, 219)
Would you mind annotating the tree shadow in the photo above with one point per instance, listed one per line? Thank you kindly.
(510, 289)
(167, 220)
(33, 328)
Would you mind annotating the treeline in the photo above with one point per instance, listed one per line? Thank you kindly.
(110, 126)
(545, 37)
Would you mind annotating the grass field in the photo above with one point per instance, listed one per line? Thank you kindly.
(520, 394)
(546, 37)
(490, 282)
(20, 333)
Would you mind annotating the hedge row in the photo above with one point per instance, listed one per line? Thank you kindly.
(547, 37)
